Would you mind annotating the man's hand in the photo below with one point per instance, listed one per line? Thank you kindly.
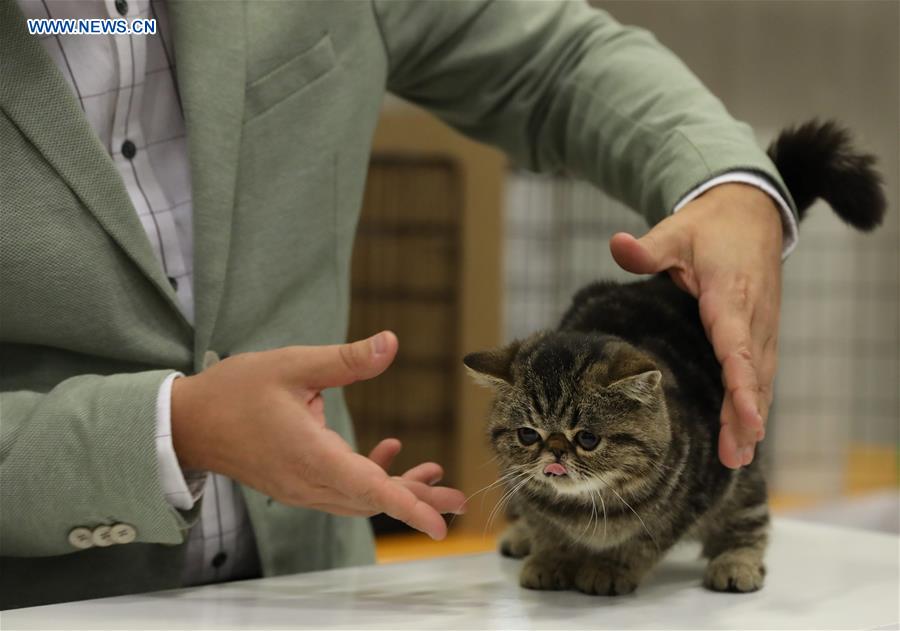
(725, 248)
(260, 419)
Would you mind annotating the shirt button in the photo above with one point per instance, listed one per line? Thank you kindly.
(81, 538)
(128, 149)
(174, 282)
(219, 559)
(121, 7)
(123, 533)
(102, 536)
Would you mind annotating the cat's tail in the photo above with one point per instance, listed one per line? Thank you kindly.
(817, 159)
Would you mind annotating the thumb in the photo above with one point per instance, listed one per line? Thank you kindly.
(320, 367)
(662, 248)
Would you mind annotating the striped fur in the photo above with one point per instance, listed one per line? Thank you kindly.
(654, 478)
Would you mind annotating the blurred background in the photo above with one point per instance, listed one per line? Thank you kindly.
(458, 250)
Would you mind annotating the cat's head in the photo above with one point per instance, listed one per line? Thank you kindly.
(573, 412)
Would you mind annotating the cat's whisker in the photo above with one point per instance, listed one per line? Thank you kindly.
(503, 500)
(660, 467)
(591, 518)
(487, 462)
(520, 482)
(516, 470)
(603, 506)
(602, 502)
(510, 479)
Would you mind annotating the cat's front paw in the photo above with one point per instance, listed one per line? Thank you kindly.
(545, 574)
(515, 542)
(605, 579)
(728, 573)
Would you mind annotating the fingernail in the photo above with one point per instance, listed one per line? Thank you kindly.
(748, 456)
(379, 344)
(434, 481)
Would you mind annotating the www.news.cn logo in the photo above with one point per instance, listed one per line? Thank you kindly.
(72, 26)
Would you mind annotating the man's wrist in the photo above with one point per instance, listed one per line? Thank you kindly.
(185, 424)
(756, 180)
(181, 488)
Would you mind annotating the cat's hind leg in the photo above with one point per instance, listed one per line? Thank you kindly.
(735, 541)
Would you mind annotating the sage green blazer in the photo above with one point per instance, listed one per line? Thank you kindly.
(280, 99)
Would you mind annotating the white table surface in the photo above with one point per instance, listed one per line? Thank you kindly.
(820, 577)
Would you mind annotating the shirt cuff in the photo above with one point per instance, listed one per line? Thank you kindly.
(181, 488)
(788, 221)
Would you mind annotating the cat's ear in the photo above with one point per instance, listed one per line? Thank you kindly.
(645, 387)
(494, 367)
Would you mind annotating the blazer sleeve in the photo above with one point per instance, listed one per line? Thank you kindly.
(563, 87)
(82, 455)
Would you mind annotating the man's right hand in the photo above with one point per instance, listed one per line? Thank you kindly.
(259, 418)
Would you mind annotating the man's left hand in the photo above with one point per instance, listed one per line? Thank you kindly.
(725, 249)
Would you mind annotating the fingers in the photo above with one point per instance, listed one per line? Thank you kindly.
(663, 247)
(398, 501)
(427, 473)
(384, 452)
(341, 509)
(320, 367)
(443, 499)
(726, 317)
(767, 379)
(743, 388)
(353, 484)
(734, 452)
(368, 486)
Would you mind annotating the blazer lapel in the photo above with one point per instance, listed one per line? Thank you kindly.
(210, 63)
(36, 97)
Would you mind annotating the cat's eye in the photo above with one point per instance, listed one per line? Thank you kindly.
(587, 440)
(528, 436)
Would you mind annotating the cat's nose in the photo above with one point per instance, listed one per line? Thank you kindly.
(557, 444)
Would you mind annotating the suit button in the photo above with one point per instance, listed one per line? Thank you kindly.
(81, 538)
(122, 7)
(210, 358)
(123, 533)
(174, 282)
(128, 149)
(219, 559)
(102, 536)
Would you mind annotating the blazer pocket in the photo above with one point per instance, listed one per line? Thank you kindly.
(291, 77)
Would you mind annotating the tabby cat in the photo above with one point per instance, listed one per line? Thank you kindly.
(606, 428)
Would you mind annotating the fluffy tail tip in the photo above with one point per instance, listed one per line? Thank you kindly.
(818, 160)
